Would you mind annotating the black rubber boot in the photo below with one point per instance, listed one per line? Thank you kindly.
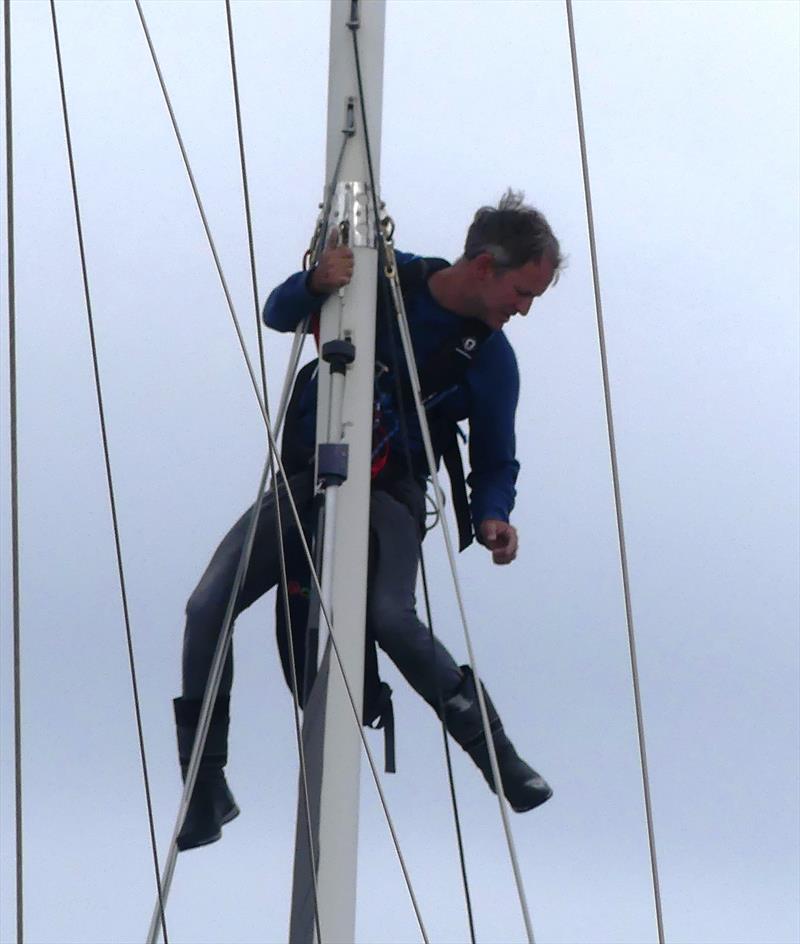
(523, 787)
(212, 804)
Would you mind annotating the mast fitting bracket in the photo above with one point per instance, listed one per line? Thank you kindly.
(339, 353)
(332, 459)
(352, 204)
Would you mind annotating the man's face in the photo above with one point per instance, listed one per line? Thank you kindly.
(507, 292)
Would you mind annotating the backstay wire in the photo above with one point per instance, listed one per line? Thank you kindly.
(615, 473)
(14, 474)
(224, 640)
(109, 478)
(405, 337)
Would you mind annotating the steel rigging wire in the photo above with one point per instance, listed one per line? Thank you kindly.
(14, 465)
(623, 554)
(284, 586)
(107, 463)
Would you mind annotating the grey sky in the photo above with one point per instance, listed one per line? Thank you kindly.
(692, 124)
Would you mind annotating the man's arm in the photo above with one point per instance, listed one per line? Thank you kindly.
(494, 391)
(303, 293)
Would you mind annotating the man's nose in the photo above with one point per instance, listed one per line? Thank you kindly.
(524, 306)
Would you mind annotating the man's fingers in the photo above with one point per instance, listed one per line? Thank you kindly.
(500, 538)
(335, 269)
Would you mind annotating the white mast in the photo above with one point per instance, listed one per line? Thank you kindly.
(344, 418)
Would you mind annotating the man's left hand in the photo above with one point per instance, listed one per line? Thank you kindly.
(501, 539)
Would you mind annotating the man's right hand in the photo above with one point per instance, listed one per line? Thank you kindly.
(335, 267)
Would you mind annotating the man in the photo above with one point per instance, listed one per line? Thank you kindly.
(510, 259)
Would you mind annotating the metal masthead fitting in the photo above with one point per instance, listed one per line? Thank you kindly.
(352, 204)
(350, 117)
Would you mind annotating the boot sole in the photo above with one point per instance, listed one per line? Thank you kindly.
(231, 814)
(531, 806)
(206, 841)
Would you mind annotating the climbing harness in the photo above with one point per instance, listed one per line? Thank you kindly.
(442, 374)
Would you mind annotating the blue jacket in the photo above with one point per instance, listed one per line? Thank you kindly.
(487, 398)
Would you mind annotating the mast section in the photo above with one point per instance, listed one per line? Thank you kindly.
(344, 419)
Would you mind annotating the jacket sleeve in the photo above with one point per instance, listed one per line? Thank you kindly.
(494, 392)
(290, 302)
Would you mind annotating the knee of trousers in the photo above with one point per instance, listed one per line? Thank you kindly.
(393, 625)
(205, 608)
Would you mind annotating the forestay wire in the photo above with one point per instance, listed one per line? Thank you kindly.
(615, 474)
(107, 462)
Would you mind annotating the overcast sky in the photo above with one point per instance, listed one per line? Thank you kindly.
(692, 123)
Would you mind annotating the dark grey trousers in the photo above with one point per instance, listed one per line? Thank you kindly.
(391, 603)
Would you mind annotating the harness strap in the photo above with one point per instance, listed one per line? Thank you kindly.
(451, 456)
(382, 716)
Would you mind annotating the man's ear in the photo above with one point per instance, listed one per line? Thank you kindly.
(484, 265)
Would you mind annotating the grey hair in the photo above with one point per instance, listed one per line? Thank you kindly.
(513, 233)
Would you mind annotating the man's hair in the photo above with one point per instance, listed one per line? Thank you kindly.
(513, 233)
